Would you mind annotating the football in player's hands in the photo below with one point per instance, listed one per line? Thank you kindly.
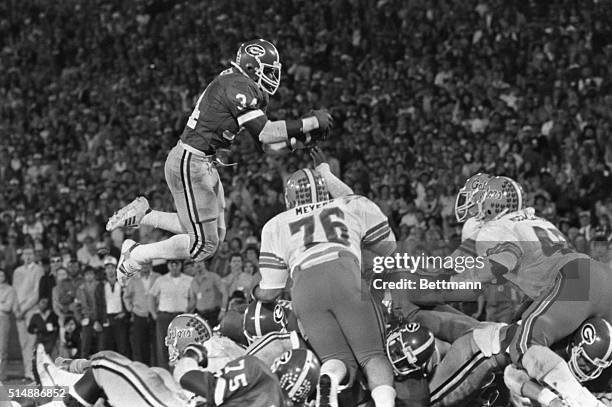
(198, 352)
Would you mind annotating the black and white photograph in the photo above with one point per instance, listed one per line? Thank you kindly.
(305, 203)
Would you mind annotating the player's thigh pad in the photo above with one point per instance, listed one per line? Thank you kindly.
(131, 383)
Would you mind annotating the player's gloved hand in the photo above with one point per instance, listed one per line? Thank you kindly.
(198, 352)
(318, 157)
(324, 118)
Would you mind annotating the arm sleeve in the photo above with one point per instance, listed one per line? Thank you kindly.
(272, 265)
(336, 187)
(375, 229)
(7, 303)
(201, 383)
(501, 248)
(239, 377)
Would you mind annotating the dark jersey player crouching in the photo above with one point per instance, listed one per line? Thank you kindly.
(245, 381)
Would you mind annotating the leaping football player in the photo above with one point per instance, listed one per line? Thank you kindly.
(233, 103)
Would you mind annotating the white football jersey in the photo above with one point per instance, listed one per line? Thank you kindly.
(310, 233)
(524, 249)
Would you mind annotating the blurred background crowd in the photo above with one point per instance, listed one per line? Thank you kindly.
(423, 93)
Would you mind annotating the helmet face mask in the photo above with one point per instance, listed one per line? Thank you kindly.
(467, 203)
(259, 59)
(305, 186)
(409, 348)
(185, 329)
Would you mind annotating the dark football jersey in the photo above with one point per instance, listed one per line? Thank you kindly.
(229, 101)
(245, 381)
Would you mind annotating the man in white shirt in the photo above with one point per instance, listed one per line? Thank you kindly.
(115, 318)
(169, 298)
(26, 279)
(136, 301)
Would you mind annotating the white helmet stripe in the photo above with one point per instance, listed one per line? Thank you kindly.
(313, 186)
(257, 318)
(609, 350)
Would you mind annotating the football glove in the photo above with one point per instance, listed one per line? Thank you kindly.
(198, 352)
(324, 118)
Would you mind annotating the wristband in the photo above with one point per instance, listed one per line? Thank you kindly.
(546, 397)
(309, 124)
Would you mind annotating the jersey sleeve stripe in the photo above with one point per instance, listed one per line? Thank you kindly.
(270, 260)
(378, 239)
(272, 266)
(376, 228)
(268, 254)
(374, 236)
(249, 115)
(468, 247)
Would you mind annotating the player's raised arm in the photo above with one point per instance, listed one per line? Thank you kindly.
(336, 187)
(260, 61)
(272, 267)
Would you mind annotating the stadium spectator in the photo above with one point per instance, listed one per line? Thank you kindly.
(8, 305)
(90, 297)
(142, 330)
(47, 280)
(26, 280)
(70, 343)
(44, 324)
(114, 316)
(169, 297)
(237, 279)
(208, 295)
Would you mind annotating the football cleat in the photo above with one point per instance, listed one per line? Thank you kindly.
(327, 396)
(127, 267)
(130, 215)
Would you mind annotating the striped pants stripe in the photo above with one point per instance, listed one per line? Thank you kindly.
(199, 199)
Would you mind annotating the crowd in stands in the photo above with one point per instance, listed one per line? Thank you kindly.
(423, 93)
